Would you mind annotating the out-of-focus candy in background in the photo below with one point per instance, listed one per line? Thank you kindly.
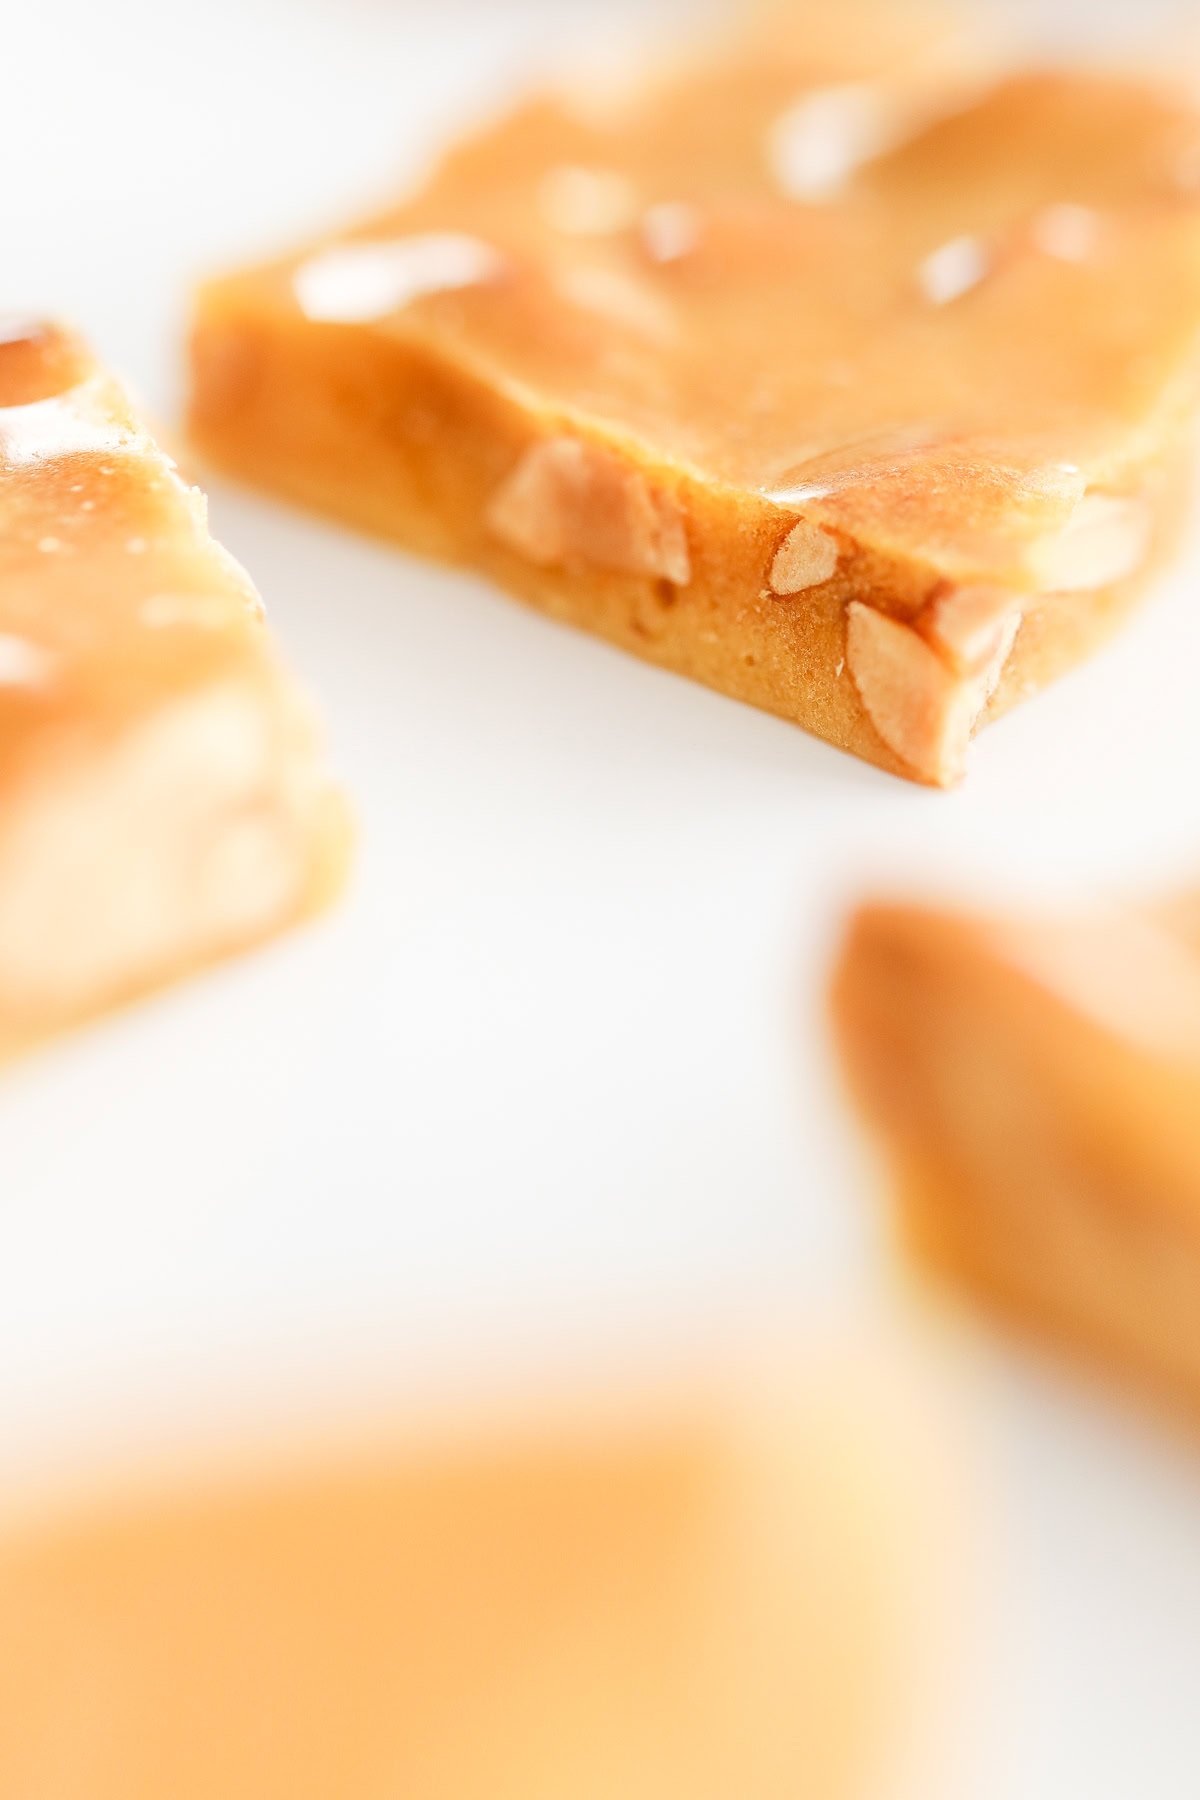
(1035, 1083)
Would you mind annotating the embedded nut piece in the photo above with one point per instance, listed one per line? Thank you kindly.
(670, 231)
(953, 269)
(352, 283)
(969, 624)
(1069, 233)
(819, 144)
(1106, 540)
(569, 501)
(921, 709)
(620, 299)
(23, 664)
(193, 828)
(585, 202)
(807, 557)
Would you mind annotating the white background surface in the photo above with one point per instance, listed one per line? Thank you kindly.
(557, 1068)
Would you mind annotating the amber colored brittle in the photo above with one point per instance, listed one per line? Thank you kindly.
(162, 796)
(804, 327)
(1035, 1087)
(697, 1597)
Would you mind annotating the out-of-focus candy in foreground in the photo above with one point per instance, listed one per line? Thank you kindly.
(162, 795)
(711, 1596)
(1035, 1085)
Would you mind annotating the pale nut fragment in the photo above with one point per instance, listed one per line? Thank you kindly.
(921, 709)
(1068, 232)
(670, 231)
(583, 202)
(567, 500)
(969, 624)
(621, 299)
(23, 664)
(953, 269)
(351, 284)
(1106, 539)
(807, 557)
(185, 834)
(818, 145)
(204, 612)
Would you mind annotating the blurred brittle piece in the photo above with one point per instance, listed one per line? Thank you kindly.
(1034, 1084)
(655, 1595)
(163, 798)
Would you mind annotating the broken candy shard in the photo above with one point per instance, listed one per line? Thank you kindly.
(163, 799)
(1034, 1085)
(798, 329)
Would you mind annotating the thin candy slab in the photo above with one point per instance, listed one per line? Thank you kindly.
(797, 331)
